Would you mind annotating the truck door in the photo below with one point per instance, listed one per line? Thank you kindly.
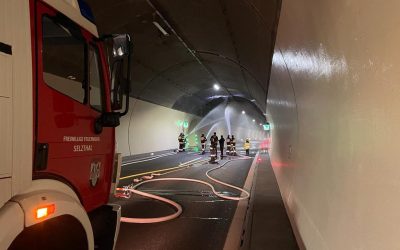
(70, 94)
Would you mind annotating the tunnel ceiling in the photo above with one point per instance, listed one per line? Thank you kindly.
(229, 42)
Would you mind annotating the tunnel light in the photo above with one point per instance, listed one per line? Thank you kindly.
(216, 87)
(254, 120)
(161, 29)
(243, 112)
(260, 124)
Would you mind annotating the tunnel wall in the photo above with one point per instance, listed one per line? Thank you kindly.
(150, 128)
(333, 104)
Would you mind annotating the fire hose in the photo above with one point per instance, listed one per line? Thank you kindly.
(126, 192)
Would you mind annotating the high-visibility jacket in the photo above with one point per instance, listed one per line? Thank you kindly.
(247, 145)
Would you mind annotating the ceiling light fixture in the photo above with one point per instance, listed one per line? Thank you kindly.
(243, 112)
(254, 120)
(163, 31)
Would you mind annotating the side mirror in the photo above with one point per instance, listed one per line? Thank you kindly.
(119, 47)
(107, 119)
(119, 50)
(121, 71)
(117, 90)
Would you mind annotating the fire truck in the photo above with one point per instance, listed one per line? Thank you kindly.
(63, 89)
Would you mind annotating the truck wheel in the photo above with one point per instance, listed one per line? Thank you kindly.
(63, 232)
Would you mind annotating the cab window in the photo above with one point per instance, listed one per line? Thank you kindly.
(95, 79)
(63, 56)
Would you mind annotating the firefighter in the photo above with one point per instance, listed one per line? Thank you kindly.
(213, 148)
(184, 142)
(215, 142)
(228, 145)
(203, 140)
(247, 147)
(233, 145)
(181, 140)
(221, 146)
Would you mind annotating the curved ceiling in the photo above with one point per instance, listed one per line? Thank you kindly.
(228, 42)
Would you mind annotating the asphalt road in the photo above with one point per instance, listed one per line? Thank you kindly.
(206, 218)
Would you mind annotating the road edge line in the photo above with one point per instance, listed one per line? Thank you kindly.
(234, 237)
(181, 165)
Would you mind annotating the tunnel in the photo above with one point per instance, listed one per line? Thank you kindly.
(181, 56)
(199, 67)
(306, 90)
(321, 75)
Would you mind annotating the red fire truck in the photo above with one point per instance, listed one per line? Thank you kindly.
(62, 91)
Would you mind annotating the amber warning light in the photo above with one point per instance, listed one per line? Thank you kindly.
(43, 212)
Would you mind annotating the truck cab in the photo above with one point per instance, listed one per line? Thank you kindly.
(61, 92)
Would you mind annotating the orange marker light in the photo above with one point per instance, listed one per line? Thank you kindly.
(45, 211)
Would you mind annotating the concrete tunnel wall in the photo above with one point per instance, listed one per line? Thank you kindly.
(333, 103)
(149, 128)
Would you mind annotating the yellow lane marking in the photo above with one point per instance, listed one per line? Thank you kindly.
(183, 165)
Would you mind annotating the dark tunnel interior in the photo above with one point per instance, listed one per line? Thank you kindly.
(182, 48)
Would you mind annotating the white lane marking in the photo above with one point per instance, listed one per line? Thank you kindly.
(147, 159)
(188, 162)
(181, 165)
(152, 156)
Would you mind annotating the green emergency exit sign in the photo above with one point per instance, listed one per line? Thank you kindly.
(184, 124)
(266, 126)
